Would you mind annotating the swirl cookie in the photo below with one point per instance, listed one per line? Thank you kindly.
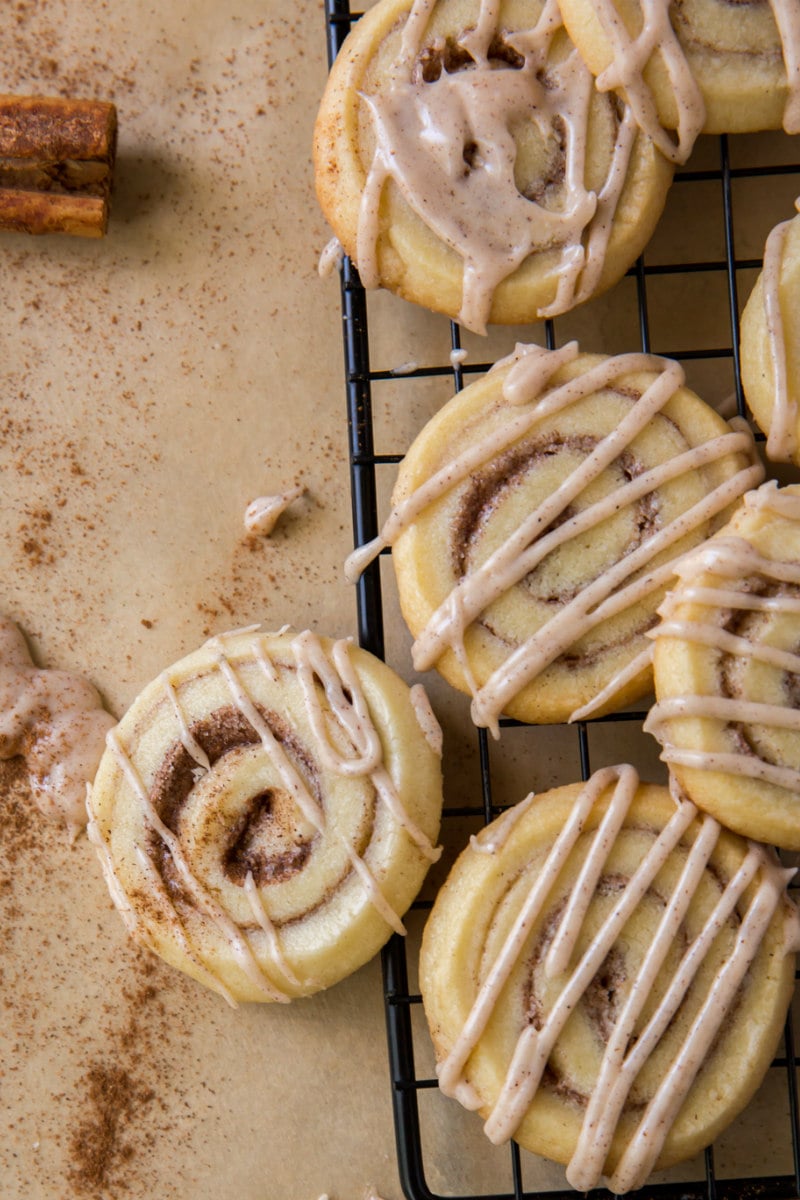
(536, 520)
(770, 344)
(694, 66)
(438, 113)
(265, 812)
(727, 663)
(606, 975)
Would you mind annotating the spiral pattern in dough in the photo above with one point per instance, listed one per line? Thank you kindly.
(606, 975)
(727, 663)
(438, 113)
(265, 812)
(711, 66)
(536, 520)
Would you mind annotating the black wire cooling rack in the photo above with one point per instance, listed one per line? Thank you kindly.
(730, 172)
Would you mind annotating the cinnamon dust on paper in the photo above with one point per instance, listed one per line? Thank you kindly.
(109, 1122)
(118, 1093)
(100, 1144)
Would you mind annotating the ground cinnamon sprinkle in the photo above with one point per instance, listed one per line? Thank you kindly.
(99, 1145)
(127, 1043)
(118, 1093)
(19, 821)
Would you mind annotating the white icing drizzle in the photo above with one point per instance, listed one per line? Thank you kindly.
(262, 514)
(159, 892)
(784, 502)
(782, 434)
(740, 600)
(640, 662)
(189, 742)
(348, 707)
(729, 643)
(262, 917)
(266, 663)
(631, 55)
(331, 258)
(493, 837)
(300, 793)
(426, 718)
(56, 721)
(451, 1069)
(350, 713)
(728, 710)
(622, 1061)
(422, 130)
(116, 891)
(205, 902)
(612, 591)
(541, 365)
(735, 558)
(289, 775)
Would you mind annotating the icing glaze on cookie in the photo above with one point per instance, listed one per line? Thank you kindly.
(527, 385)
(734, 558)
(626, 71)
(624, 1054)
(448, 145)
(657, 35)
(345, 742)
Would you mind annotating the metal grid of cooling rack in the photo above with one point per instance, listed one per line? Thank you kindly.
(365, 463)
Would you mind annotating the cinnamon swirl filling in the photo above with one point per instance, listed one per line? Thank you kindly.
(536, 519)
(754, 628)
(600, 959)
(692, 66)
(267, 838)
(264, 814)
(727, 671)
(437, 113)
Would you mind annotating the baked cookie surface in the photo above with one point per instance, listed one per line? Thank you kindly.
(536, 519)
(727, 659)
(466, 162)
(266, 810)
(694, 66)
(606, 975)
(770, 344)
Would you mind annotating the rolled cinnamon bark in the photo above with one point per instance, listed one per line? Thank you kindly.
(56, 164)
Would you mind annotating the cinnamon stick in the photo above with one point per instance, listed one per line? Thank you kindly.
(56, 164)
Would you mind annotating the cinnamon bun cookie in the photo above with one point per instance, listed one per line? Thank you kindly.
(266, 811)
(770, 344)
(606, 975)
(692, 66)
(465, 161)
(536, 521)
(727, 666)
